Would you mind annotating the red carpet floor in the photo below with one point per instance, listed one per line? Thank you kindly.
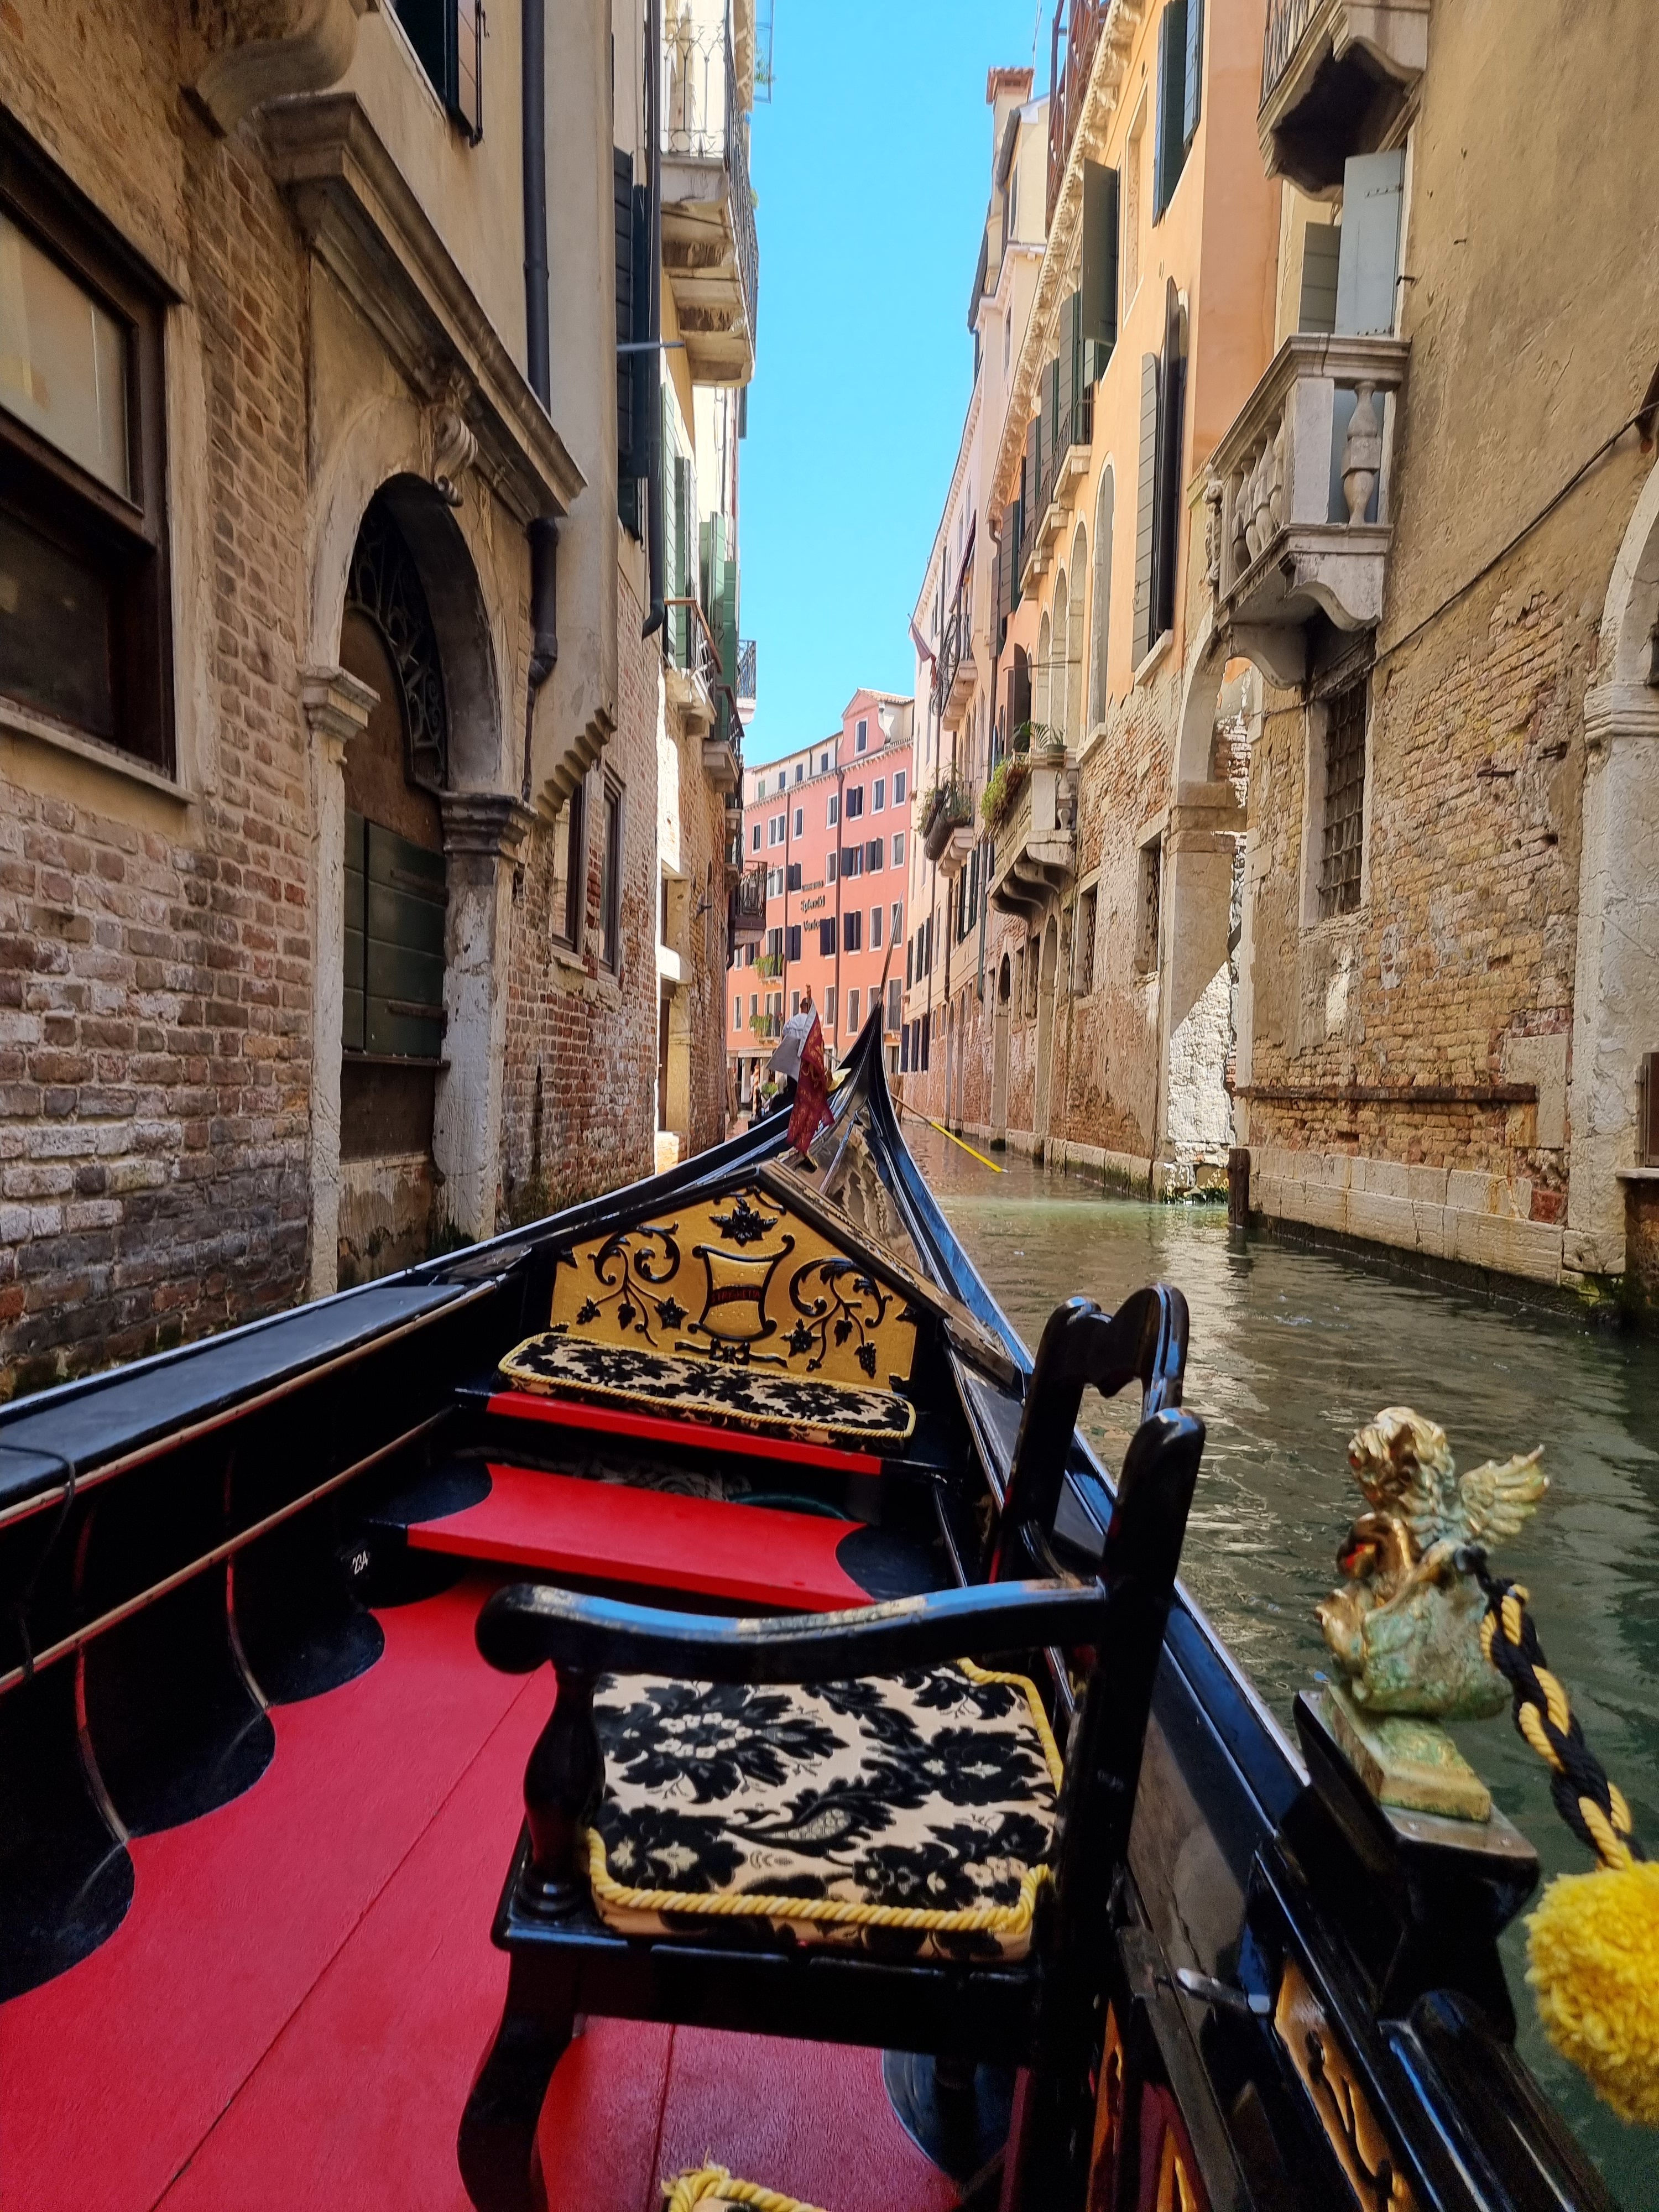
(290, 2015)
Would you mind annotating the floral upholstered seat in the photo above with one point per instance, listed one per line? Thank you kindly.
(913, 1817)
(755, 1397)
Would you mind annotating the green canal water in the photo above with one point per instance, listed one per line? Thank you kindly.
(1291, 1351)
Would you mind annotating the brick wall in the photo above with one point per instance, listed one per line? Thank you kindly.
(154, 960)
(581, 1044)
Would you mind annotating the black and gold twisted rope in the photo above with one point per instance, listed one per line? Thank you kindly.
(1593, 1806)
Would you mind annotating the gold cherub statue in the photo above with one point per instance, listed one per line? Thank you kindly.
(1405, 1626)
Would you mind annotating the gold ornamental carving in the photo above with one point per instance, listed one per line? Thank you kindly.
(738, 1281)
(1362, 2148)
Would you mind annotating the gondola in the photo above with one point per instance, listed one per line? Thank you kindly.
(671, 1686)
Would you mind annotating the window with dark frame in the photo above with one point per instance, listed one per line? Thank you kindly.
(854, 802)
(1151, 900)
(852, 931)
(1088, 907)
(85, 607)
(1342, 845)
(575, 871)
(448, 36)
(611, 881)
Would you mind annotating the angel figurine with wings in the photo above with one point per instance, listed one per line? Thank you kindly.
(1405, 1626)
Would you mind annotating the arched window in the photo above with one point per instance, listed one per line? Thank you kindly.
(1100, 623)
(1074, 638)
(1058, 686)
(1039, 675)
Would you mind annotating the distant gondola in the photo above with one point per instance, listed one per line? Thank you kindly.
(1123, 1943)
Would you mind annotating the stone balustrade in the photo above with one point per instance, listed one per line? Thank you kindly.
(1298, 497)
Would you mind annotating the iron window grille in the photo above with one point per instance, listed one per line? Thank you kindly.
(1343, 842)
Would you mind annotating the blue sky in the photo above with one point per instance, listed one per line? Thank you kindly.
(872, 167)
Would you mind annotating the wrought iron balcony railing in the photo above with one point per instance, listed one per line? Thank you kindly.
(1073, 40)
(1072, 427)
(746, 686)
(746, 907)
(954, 671)
(1286, 22)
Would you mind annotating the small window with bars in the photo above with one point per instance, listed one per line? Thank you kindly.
(1083, 951)
(1151, 906)
(1342, 845)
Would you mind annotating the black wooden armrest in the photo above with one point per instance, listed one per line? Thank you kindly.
(525, 1624)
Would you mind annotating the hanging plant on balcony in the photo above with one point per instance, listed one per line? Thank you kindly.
(769, 964)
(1003, 789)
(1038, 737)
(950, 808)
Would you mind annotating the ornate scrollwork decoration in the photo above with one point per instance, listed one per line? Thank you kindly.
(454, 449)
(632, 1280)
(848, 1301)
(1350, 2128)
(745, 1224)
(384, 584)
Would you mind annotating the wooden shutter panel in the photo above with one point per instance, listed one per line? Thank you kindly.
(1146, 504)
(1368, 256)
(352, 1028)
(623, 184)
(1017, 538)
(1322, 242)
(1065, 373)
(467, 86)
(1170, 145)
(1098, 299)
(1192, 103)
(404, 904)
(1166, 528)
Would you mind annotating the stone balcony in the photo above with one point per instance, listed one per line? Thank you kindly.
(1036, 841)
(1334, 77)
(711, 257)
(1298, 498)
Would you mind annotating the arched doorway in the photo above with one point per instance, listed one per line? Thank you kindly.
(1045, 1031)
(1100, 617)
(415, 838)
(999, 1052)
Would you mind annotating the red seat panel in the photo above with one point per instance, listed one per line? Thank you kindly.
(657, 1428)
(563, 1524)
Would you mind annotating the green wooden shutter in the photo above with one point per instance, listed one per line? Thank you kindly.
(1322, 244)
(1171, 148)
(356, 862)
(1014, 530)
(1098, 300)
(1192, 72)
(1065, 373)
(1146, 505)
(404, 903)
(1166, 528)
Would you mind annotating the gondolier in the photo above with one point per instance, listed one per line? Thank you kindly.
(785, 1062)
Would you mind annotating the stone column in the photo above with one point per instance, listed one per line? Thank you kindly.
(1616, 990)
(483, 834)
(337, 706)
(1195, 999)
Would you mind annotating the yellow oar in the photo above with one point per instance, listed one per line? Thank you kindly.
(955, 1139)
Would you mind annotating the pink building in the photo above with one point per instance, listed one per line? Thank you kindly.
(830, 825)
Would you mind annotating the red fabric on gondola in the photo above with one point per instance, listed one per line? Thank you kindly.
(563, 1524)
(810, 2119)
(384, 1820)
(811, 1111)
(653, 1428)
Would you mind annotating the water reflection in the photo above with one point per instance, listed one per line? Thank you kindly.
(1290, 1351)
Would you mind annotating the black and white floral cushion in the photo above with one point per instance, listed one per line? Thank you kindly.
(913, 1817)
(749, 1395)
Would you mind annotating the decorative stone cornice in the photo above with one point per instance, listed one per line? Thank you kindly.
(1620, 710)
(490, 823)
(1094, 124)
(337, 705)
(365, 224)
(272, 49)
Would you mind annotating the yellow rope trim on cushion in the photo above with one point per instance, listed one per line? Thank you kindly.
(968, 1920)
(712, 2185)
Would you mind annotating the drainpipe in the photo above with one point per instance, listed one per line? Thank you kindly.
(543, 535)
(543, 531)
(538, 348)
(658, 520)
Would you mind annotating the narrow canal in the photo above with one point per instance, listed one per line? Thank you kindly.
(1291, 1351)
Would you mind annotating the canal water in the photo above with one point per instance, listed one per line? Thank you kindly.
(1290, 1351)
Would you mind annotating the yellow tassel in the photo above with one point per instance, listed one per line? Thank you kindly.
(1593, 1947)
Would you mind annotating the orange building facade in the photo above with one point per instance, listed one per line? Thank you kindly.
(830, 825)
